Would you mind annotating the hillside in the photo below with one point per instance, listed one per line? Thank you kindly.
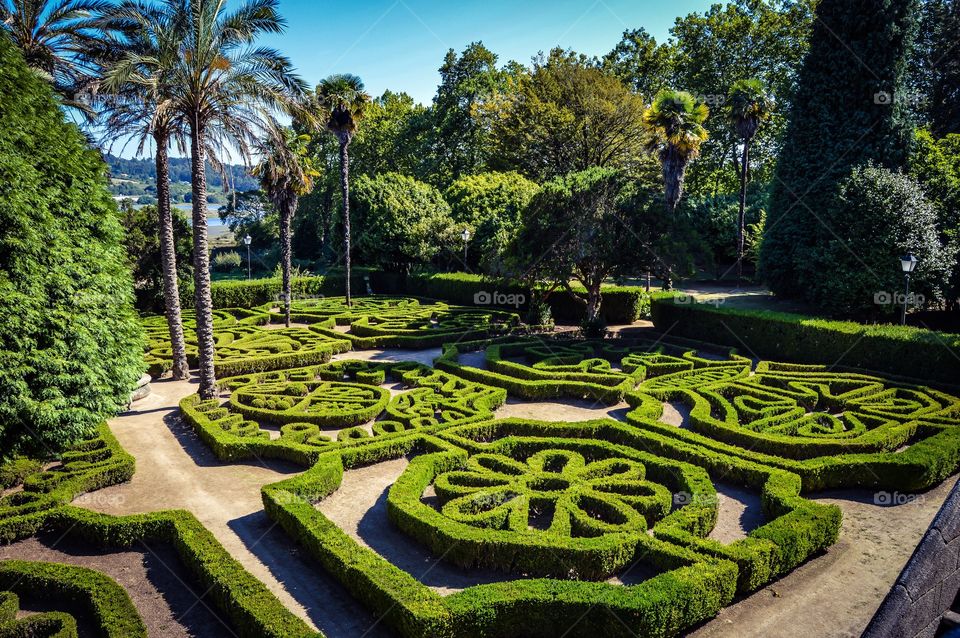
(136, 178)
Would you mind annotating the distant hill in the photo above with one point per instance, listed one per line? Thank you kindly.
(143, 170)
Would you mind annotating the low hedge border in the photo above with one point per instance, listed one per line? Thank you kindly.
(437, 398)
(88, 466)
(802, 339)
(53, 624)
(558, 555)
(251, 608)
(619, 304)
(106, 602)
(558, 376)
(659, 607)
(796, 528)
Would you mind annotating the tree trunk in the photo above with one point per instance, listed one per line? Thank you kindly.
(168, 259)
(286, 216)
(674, 168)
(201, 264)
(743, 204)
(593, 302)
(345, 188)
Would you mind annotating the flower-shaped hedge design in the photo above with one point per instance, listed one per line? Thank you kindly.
(555, 491)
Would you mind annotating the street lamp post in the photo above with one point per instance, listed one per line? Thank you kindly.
(247, 240)
(465, 235)
(907, 263)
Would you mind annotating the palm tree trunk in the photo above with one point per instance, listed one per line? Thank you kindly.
(345, 188)
(201, 264)
(168, 259)
(743, 204)
(286, 215)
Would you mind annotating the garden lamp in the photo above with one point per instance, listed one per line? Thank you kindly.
(247, 240)
(907, 263)
(465, 235)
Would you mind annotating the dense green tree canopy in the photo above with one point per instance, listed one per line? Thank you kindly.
(587, 226)
(401, 221)
(490, 204)
(567, 115)
(142, 240)
(70, 343)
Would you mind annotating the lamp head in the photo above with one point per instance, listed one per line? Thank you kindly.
(908, 262)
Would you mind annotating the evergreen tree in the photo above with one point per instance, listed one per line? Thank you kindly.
(70, 343)
(848, 110)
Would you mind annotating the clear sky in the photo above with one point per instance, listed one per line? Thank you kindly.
(400, 44)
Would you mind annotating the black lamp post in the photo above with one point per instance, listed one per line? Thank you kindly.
(907, 263)
(465, 235)
(247, 240)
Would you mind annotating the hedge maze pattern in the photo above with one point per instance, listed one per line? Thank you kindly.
(565, 510)
(565, 507)
(245, 342)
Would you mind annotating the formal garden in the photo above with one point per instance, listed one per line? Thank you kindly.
(654, 340)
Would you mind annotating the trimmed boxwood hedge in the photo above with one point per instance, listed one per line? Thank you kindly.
(621, 304)
(252, 610)
(897, 350)
(661, 606)
(71, 587)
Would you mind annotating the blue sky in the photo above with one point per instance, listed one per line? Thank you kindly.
(399, 44)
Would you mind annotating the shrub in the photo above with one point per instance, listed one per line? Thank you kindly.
(226, 261)
(70, 342)
(879, 215)
(405, 221)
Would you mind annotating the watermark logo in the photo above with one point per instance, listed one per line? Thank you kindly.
(892, 499)
(888, 98)
(497, 298)
(886, 298)
(684, 299)
(682, 499)
(97, 500)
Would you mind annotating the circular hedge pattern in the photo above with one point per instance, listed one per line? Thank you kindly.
(553, 490)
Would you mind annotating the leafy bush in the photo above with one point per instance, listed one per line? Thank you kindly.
(226, 261)
(404, 221)
(879, 215)
(70, 342)
(490, 204)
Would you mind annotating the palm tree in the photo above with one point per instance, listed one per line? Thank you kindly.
(135, 96)
(226, 90)
(286, 173)
(748, 106)
(58, 39)
(675, 124)
(343, 101)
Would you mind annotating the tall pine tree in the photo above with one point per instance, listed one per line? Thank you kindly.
(850, 109)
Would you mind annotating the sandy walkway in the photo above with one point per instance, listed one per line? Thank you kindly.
(175, 470)
(836, 594)
(154, 577)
